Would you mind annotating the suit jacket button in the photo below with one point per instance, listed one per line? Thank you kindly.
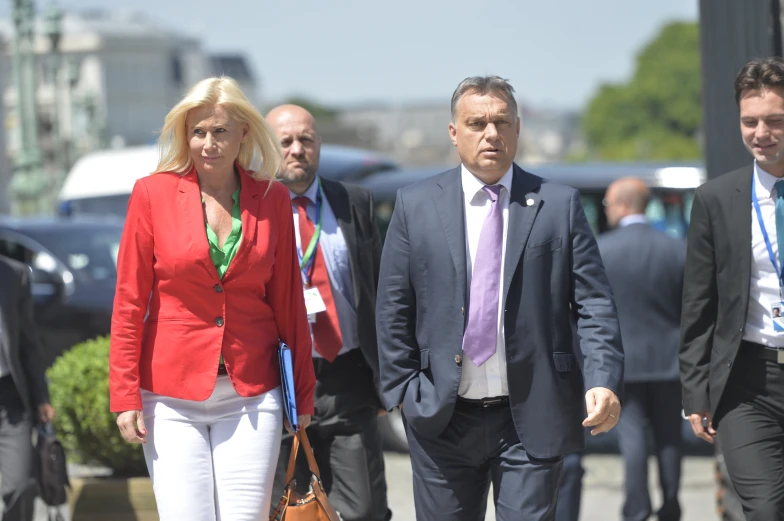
(218, 288)
(462, 310)
(458, 360)
(219, 321)
(729, 364)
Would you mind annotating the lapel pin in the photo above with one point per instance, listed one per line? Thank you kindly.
(529, 202)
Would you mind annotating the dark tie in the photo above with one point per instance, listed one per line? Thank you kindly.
(481, 333)
(327, 338)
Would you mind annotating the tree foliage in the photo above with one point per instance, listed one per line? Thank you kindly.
(657, 114)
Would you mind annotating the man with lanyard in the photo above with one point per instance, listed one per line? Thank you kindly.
(732, 357)
(339, 249)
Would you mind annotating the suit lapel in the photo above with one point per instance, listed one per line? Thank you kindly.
(524, 205)
(250, 198)
(450, 206)
(189, 201)
(337, 197)
(740, 222)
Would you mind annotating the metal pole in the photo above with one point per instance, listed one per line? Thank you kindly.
(28, 181)
(53, 28)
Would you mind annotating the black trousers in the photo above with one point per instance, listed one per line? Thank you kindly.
(453, 472)
(751, 432)
(15, 454)
(346, 441)
(651, 407)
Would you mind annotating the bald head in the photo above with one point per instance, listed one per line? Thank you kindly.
(301, 144)
(624, 197)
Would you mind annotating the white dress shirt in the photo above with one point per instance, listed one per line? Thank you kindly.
(764, 284)
(635, 218)
(489, 380)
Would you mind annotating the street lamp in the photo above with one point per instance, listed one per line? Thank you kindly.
(53, 30)
(28, 182)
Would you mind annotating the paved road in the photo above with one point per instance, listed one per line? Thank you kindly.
(602, 489)
(601, 494)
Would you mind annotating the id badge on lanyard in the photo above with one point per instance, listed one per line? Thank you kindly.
(776, 306)
(313, 301)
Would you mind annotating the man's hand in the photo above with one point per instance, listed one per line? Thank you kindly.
(603, 408)
(382, 412)
(705, 432)
(45, 413)
(131, 424)
(303, 420)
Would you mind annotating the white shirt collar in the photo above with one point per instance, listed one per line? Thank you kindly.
(472, 184)
(310, 193)
(764, 182)
(636, 218)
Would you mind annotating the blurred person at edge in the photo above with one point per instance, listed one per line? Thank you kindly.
(732, 350)
(24, 396)
(208, 252)
(645, 269)
(342, 269)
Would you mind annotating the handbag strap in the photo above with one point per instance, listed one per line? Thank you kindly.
(300, 438)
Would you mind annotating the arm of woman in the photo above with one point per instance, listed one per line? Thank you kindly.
(286, 297)
(134, 283)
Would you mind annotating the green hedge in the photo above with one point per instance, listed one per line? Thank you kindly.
(79, 389)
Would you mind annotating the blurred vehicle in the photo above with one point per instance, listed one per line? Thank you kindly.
(101, 182)
(74, 272)
(672, 190)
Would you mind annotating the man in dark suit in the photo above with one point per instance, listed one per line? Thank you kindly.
(491, 287)
(732, 352)
(645, 269)
(340, 271)
(24, 397)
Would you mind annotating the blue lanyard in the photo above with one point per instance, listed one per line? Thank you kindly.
(765, 232)
(306, 264)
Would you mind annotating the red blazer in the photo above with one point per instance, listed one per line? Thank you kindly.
(164, 271)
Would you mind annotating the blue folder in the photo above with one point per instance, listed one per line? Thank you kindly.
(287, 384)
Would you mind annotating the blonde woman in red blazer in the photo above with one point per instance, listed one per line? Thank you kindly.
(208, 281)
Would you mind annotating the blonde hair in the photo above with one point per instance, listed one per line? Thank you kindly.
(260, 153)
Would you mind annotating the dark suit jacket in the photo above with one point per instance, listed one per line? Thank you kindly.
(20, 342)
(645, 270)
(716, 288)
(557, 302)
(354, 209)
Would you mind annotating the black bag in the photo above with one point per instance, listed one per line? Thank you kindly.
(51, 471)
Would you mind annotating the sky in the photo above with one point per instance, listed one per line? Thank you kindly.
(556, 53)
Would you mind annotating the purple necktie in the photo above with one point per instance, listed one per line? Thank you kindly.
(481, 333)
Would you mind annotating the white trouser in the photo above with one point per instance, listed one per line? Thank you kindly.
(213, 460)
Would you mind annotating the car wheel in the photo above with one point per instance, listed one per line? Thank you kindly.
(393, 433)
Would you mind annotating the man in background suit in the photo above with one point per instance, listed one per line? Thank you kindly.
(342, 269)
(645, 269)
(491, 286)
(24, 397)
(732, 352)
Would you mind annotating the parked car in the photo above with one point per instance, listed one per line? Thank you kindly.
(101, 182)
(74, 272)
(672, 190)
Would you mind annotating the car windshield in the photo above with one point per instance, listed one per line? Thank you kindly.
(668, 210)
(90, 254)
(104, 205)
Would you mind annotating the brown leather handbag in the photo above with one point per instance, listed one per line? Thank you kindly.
(313, 506)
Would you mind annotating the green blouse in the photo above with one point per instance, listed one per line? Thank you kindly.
(222, 257)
